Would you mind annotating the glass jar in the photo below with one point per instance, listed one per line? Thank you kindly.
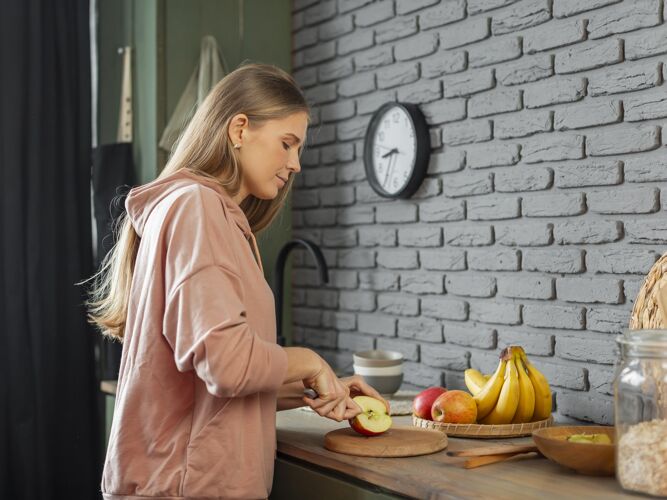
(640, 401)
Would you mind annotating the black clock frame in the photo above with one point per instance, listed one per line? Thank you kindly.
(423, 150)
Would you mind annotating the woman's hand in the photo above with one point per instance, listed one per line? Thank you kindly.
(358, 387)
(333, 399)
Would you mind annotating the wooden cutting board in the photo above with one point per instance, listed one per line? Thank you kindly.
(399, 441)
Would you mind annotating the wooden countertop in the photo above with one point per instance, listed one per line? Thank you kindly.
(301, 435)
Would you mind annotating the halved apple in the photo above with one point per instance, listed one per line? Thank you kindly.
(374, 420)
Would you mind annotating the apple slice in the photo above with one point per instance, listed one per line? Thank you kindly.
(374, 420)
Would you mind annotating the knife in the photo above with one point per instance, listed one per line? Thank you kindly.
(310, 393)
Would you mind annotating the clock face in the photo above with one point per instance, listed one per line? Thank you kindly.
(394, 149)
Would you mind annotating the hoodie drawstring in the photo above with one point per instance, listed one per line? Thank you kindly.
(255, 251)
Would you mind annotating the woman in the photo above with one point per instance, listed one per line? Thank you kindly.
(201, 375)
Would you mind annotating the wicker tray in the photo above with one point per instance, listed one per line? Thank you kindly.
(483, 431)
(648, 310)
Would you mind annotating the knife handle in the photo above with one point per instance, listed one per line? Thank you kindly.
(310, 393)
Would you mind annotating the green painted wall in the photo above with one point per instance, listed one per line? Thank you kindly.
(166, 35)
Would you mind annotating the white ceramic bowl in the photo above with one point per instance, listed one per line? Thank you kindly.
(378, 371)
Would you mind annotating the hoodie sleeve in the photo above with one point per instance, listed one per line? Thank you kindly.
(205, 318)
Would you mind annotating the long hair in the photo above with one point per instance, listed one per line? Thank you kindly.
(262, 92)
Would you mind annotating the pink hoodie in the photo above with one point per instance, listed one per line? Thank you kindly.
(196, 402)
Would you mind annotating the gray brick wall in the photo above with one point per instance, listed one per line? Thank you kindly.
(544, 203)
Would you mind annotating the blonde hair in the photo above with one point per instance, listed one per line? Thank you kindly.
(262, 92)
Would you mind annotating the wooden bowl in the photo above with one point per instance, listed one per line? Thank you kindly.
(585, 458)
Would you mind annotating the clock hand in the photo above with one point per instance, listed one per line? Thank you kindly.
(391, 152)
(391, 160)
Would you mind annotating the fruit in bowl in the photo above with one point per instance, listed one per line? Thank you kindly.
(454, 407)
(423, 402)
(374, 419)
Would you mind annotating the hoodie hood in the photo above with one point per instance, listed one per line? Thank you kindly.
(141, 200)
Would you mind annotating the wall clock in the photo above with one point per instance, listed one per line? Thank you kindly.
(397, 147)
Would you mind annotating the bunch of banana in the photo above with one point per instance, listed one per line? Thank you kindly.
(515, 393)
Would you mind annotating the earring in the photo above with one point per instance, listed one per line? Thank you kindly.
(237, 146)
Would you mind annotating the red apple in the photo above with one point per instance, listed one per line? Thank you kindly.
(421, 405)
(454, 407)
(374, 420)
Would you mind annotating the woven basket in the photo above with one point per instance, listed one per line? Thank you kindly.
(647, 311)
(482, 431)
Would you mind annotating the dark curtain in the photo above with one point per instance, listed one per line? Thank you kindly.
(49, 435)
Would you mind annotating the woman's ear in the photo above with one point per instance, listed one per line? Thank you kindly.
(237, 127)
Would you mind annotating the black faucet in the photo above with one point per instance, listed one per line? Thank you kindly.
(279, 272)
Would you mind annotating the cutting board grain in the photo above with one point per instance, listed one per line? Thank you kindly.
(398, 441)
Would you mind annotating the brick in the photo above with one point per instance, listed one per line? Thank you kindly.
(470, 285)
(601, 379)
(306, 317)
(337, 196)
(444, 356)
(565, 317)
(493, 155)
(625, 78)
(588, 115)
(320, 12)
(645, 168)
(356, 259)
(552, 148)
(647, 231)
(306, 77)
(350, 216)
(468, 82)
(522, 124)
(374, 58)
(530, 287)
(441, 209)
(326, 299)
(559, 375)
(366, 194)
(337, 153)
(339, 320)
(321, 94)
(554, 91)
(496, 50)
(444, 111)
(396, 28)
(407, 6)
(422, 283)
(373, 14)
(470, 336)
(339, 238)
(589, 55)
(397, 212)
(534, 343)
(590, 349)
(348, 5)
(398, 259)
(590, 290)
(494, 102)
(494, 208)
(626, 17)
(494, 260)
(355, 342)
(305, 199)
(469, 235)
(639, 200)
(451, 160)
(357, 40)
(421, 375)
(377, 324)
(378, 236)
(421, 92)
(607, 320)
(566, 261)
(315, 337)
(523, 179)
(443, 259)
(524, 234)
(445, 13)
(554, 205)
(554, 35)
(503, 313)
(622, 140)
(409, 350)
(468, 184)
(304, 38)
(355, 85)
(358, 301)
(443, 63)
(467, 132)
(319, 53)
(587, 407)
(378, 280)
(477, 6)
(620, 260)
(423, 329)
(371, 102)
(465, 32)
(343, 279)
(632, 288)
(323, 134)
(420, 236)
(582, 232)
(325, 176)
(321, 217)
(566, 8)
(646, 43)
(526, 69)
(335, 28)
(400, 305)
(593, 173)
(524, 14)
(352, 129)
(444, 308)
(397, 74)
(645, 106)
(416, 46)
(335, 70)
